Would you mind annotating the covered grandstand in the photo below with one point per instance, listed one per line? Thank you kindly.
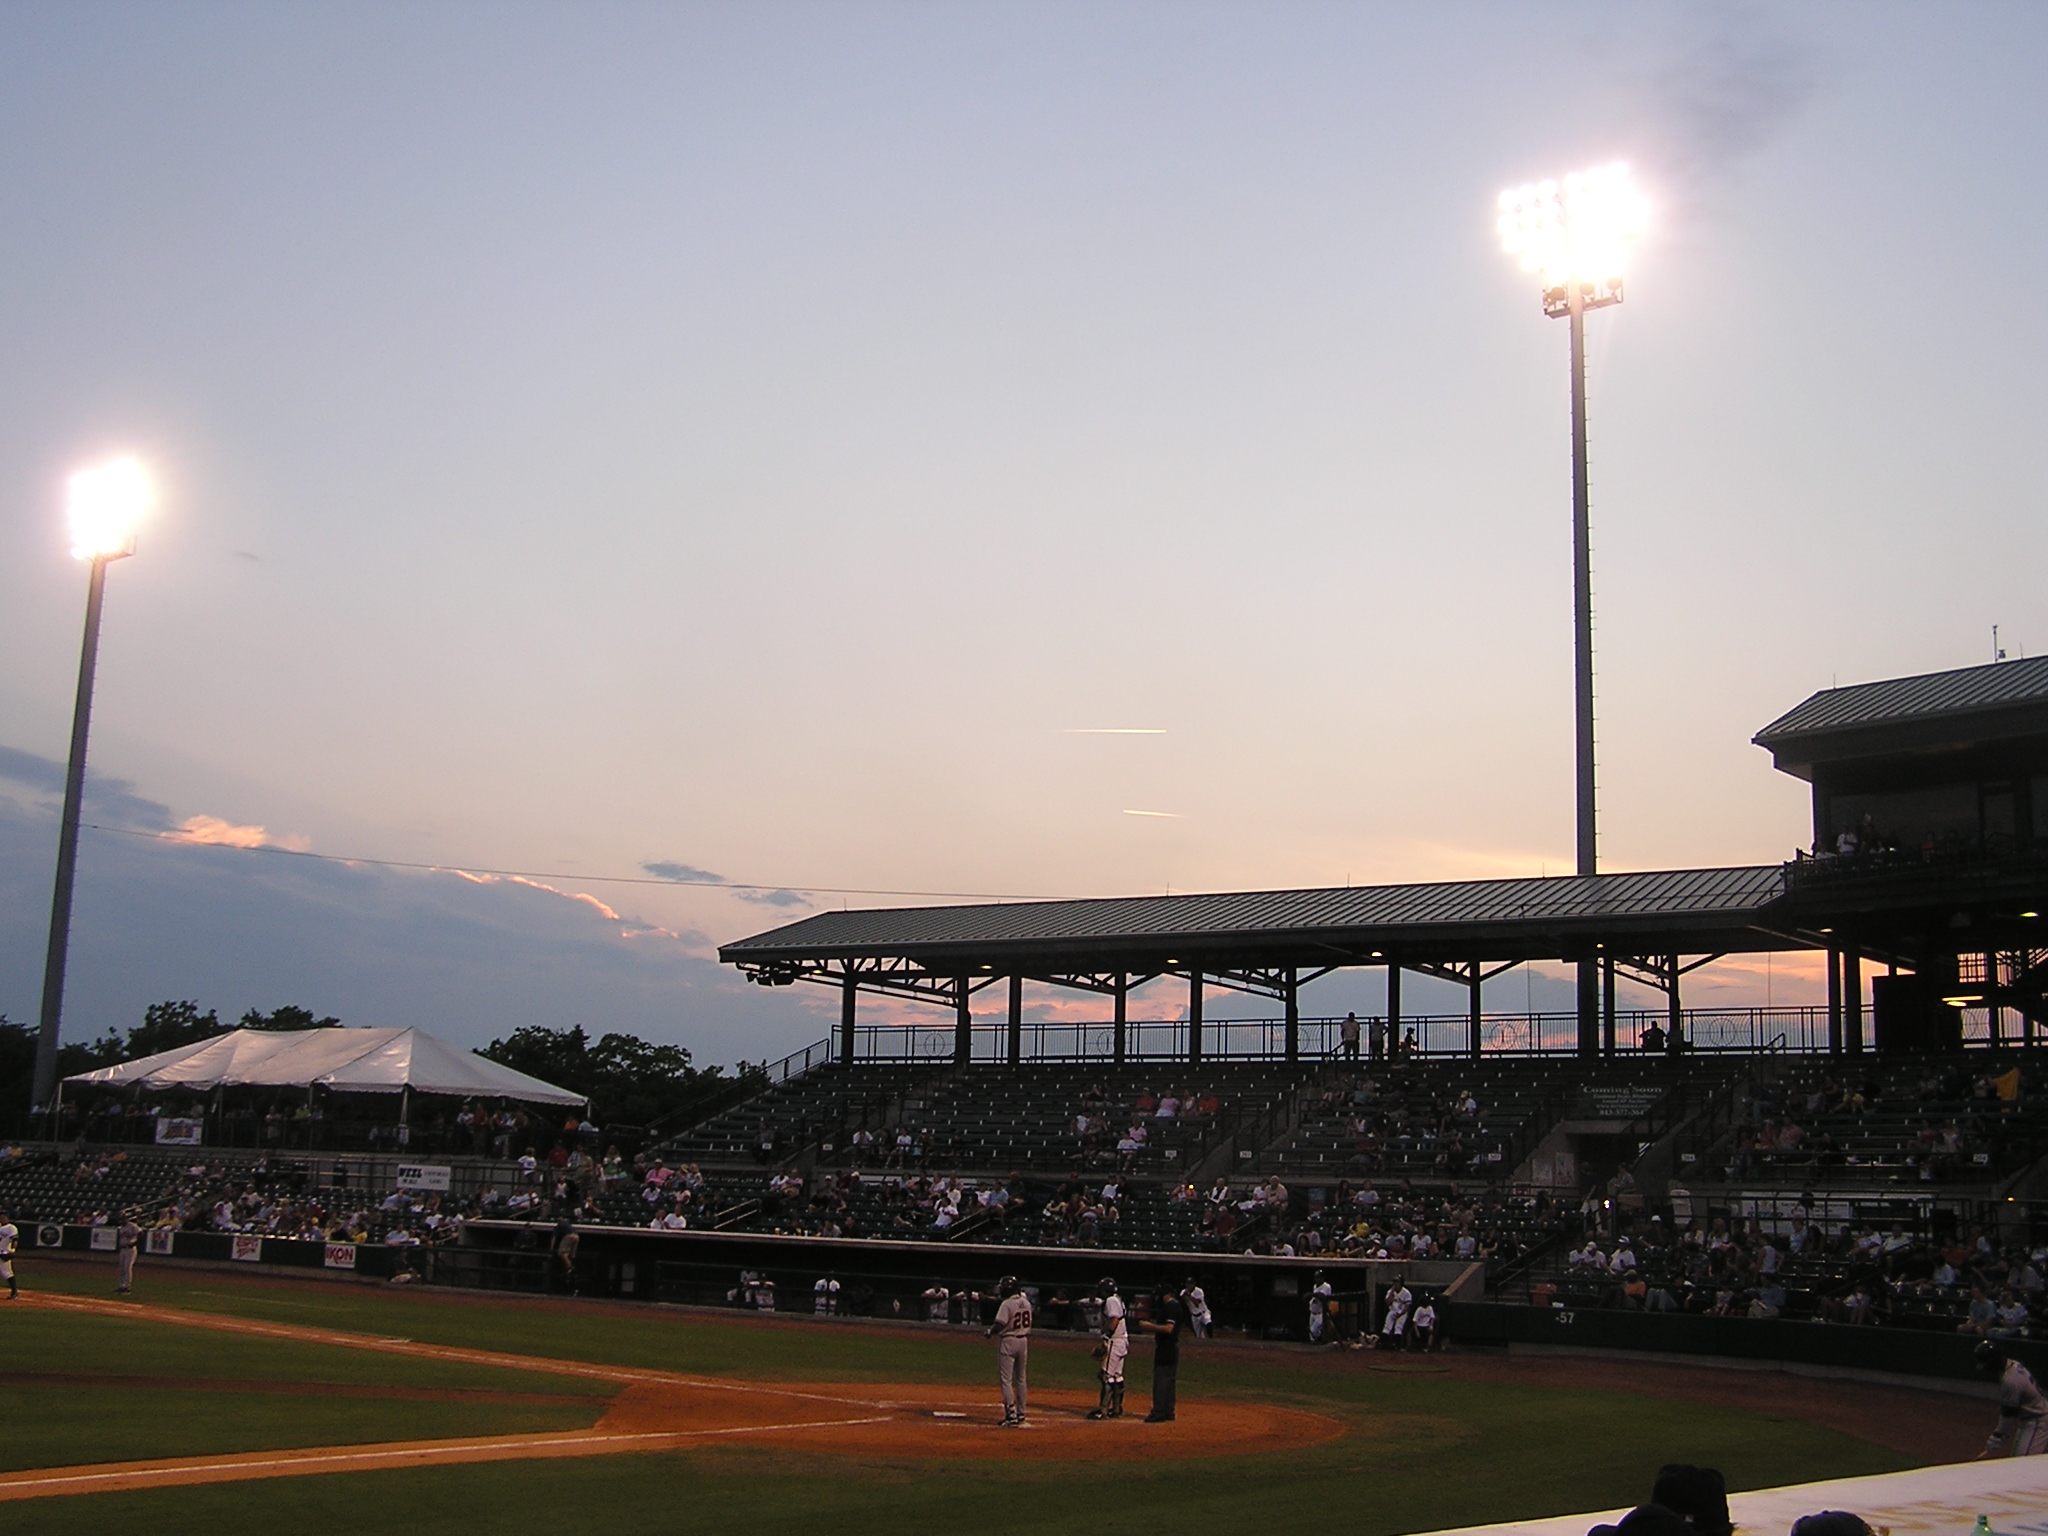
(1881, 1159)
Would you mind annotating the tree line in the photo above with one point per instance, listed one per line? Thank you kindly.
(629, 1081)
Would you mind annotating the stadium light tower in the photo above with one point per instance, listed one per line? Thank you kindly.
(1575, 234)
(106, 503)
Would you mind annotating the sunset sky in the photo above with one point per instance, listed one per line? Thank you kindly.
(857, 448)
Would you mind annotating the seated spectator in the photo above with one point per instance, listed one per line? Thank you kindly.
(1982, 1317)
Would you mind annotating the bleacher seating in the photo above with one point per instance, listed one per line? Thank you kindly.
(1407, 1121)
(1886, 1121)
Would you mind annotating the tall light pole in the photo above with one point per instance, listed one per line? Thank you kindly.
(1575, 234)
(105, 505)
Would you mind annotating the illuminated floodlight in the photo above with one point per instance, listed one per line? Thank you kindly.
(1575, 232)
(106, 503)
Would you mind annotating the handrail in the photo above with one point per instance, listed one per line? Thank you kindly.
(1160, 1043)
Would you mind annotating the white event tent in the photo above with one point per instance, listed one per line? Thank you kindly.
(341, 1060)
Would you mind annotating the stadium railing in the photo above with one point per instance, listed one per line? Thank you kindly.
(1745, 1031)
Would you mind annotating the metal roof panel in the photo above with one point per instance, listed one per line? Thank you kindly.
(1649, 894)
(1901, 699)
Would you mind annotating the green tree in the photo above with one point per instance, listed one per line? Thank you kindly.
(166, 1026)
(290, 1016)
(629, 1080)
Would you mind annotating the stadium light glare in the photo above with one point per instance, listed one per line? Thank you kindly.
(1577, 229)
(106, 503)
(1574, 233)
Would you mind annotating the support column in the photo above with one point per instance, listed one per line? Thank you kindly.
(1195, 1016)
(1674, 1027)
(1475, 1024)
(1393, 1006)
(1589, 1007)
(1834, 1002)
(1293, 1015)
(849, 991)
(1852, 985)
(963, 1023)
(1607, 1006)
(1016, 1052)
(1120, 1046)
(1991, 1005)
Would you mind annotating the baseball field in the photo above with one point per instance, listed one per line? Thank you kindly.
(208, 1398)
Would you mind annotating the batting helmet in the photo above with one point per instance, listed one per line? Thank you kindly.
(1108, 1285)
(1007, 1286)
(1989, 1356)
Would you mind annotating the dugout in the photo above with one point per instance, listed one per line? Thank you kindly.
(1264, 1297)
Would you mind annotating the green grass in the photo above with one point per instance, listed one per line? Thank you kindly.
(1429, 1450)
(71, 1426)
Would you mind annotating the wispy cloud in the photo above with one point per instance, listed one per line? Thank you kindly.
(776, 898)
(682, 874)
(1168, 815)
(585, 897)
(609, 914)
(1114, 730)
(214, 832)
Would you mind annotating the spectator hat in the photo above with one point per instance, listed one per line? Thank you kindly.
(1700, 1494)
(1831, 1522)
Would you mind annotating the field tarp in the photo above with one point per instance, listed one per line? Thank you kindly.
(343, 1060)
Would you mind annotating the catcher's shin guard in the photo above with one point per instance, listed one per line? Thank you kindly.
(1101, 1408)
(1116, 1399)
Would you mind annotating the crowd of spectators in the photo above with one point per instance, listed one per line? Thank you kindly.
(303, 1122)
(1939, 1122)
(1855, 1273)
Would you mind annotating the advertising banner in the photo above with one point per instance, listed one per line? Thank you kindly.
(247, 1249)
(103, 1239)
(159, 1239)
(49, 1235)
(179, 1133)
(341, 1255)
(424, 1176)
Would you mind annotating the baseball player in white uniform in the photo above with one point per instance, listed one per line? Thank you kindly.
(1116, 1348)
(1012, 1331)
(1319, 1307)
(2022, 1410)
(1394, 1329)
(10, 1234)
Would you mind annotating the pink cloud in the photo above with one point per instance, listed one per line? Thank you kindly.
(211, 830)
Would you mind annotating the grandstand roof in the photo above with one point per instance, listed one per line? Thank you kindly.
(1693, 909)
(345, 1060)
(1935, 708)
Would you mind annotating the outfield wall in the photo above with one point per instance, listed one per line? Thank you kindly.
(1824, 1346)
(371, 1260)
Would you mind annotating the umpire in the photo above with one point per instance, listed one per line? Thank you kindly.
(1165, 1324)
